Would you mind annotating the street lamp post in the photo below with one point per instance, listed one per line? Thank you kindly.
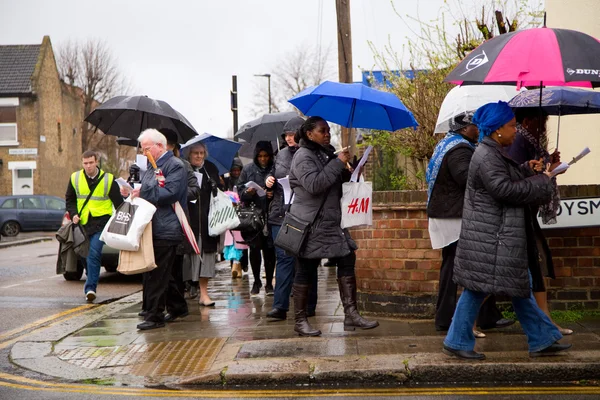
(268, 76)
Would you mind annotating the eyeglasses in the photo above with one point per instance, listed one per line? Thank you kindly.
(145, 149)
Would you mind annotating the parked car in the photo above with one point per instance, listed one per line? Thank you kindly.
(109, 260)
(30, 213)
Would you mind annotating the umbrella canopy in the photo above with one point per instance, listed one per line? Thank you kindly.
(221, 152)
(552, 57)
(354, 105)
(268, 127)
(559, 100)
(463, 99)
(128, 116)
(125, 141)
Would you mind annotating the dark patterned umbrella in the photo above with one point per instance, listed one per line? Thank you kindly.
(128, 116)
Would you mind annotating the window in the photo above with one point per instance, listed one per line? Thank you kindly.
(55, 204)
(30, 203)
(8, 125)
(24, 173)
(10, 203)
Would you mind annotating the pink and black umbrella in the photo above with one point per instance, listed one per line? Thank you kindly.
(533, 57)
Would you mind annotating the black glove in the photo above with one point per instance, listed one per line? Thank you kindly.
(214, 188)
(354, 162)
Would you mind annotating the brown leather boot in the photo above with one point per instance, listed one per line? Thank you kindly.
(300, 301)
(347, 285)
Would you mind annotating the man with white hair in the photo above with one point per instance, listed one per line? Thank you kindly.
(167, 233)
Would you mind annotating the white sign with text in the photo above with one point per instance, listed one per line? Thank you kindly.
(576, 212)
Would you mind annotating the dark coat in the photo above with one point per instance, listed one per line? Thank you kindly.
(492, 254)
(277, 208)
(254, 172)
(166, 228)
(316, 172)
(522, 151)
(199, 210)
(449, 189)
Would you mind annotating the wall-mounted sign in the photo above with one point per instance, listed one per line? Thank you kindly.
(576, 212)
(22, 152)
(42, 138)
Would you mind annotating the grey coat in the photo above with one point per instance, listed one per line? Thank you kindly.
(283, 162)
(316, 172)
(492, 250)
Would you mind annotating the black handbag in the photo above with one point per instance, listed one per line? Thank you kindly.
(251, 218)
(293, 232)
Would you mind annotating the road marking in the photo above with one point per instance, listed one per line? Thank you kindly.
(43, 321)
(36, 385)
(6, 287)
(35, 280)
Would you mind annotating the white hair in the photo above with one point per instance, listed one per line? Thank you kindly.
(153, 135)
(199, 144)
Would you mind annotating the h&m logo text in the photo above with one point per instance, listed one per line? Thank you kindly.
(358, 206)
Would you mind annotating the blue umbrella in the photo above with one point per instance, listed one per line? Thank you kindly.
(354, 105)
(221, 152)
(559, 100)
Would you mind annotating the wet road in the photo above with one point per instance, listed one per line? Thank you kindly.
(30, 289)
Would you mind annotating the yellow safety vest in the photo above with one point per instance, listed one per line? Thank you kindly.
(99, 204)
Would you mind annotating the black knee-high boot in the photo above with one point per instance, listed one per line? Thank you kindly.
(300, 302)
(347, 285)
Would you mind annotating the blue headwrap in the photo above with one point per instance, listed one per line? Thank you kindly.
(492, 116)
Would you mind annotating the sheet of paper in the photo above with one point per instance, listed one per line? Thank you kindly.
(141, 161)
(123, 183)
(199, 178)
(560, 168)
(260, 191)
(287, 190)
(579, 156)
(363, 161)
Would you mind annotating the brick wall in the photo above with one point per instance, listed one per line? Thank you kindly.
(398, 272)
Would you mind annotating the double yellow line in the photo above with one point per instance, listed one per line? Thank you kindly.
(18, 382)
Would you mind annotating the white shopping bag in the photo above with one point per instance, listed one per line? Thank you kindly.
(357, 204)
(221, 215)
(125, 227)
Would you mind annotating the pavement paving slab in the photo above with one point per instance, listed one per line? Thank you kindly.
(234, 343)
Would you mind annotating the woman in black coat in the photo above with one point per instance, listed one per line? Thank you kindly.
(316, 177)
(492, 254)
(198, 209)
(257, 172)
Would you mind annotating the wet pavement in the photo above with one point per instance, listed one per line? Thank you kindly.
(233, 343)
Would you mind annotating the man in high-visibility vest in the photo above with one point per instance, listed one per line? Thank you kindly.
(91, 195)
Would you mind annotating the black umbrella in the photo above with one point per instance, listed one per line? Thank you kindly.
(267, 127)
(128, 116)
(125, 141)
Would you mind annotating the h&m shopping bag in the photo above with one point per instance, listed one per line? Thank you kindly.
(222, 215)
(125, 227)
(357, 204)
(140, 261)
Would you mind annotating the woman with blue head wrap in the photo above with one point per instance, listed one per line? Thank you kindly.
(492, 255)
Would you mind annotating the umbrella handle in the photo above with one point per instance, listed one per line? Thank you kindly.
(151, 159)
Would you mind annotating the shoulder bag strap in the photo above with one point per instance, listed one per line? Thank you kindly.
(92, 190)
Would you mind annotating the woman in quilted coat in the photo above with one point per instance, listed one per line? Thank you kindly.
(492, 253)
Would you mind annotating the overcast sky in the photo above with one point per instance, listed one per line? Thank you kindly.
(185, 51)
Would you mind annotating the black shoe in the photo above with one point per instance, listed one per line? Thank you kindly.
(147, 325)
(143, 313)
(551, 350)
(464, 354)
(276, 313)
(504, 322)
(442, 328)
(171, 317)
(245, 267)
(255, 288)
(269, 290)
(193, 292)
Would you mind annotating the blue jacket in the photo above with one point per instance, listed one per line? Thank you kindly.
(165, 224)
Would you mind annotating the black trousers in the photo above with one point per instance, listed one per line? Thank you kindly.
(161, 288)
(306, 268)
(446, 302)
(268, 254)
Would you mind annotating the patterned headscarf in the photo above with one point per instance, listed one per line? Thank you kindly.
(492, 116)
(460, 121)
(547, 211)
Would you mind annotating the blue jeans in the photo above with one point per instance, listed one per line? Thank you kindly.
(540, 331)
(286, 270)
(93, 262)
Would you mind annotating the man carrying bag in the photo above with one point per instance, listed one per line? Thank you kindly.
(90, 198)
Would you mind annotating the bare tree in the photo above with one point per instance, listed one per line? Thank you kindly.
(294, 72)
(91, 70)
